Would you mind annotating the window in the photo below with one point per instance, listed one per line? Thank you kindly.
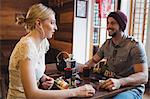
(96, 25)
(139, 19)
(101, 9)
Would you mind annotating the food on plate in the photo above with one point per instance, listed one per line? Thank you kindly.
(61, 83)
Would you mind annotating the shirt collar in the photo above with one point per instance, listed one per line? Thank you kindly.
(121, 43)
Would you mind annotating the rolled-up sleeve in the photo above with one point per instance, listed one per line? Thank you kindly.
(101, 50)
(138, 53)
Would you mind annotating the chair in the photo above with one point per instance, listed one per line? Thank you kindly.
(148, 83)
(3, 89)
(50, 56)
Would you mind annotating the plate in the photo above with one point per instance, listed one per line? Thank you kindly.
(61, 87)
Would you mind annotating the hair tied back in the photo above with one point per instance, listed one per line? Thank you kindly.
(20, 20)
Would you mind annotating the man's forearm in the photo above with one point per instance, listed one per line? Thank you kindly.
(94, 60)
(90, 63)
(134, 79)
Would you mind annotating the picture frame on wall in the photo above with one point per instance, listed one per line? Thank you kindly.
(81, 8)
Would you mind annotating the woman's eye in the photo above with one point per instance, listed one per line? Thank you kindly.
(53, 22)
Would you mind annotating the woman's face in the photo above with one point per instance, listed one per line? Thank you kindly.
(49, 26)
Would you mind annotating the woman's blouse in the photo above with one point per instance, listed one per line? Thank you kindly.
(25, 49)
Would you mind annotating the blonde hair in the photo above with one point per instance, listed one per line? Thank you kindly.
(37, 11)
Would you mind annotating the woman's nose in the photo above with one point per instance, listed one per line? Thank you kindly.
(56, 27)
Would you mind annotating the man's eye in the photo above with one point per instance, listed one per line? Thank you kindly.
(111, 23)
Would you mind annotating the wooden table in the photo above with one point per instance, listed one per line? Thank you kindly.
(108, 94)
(101, 93)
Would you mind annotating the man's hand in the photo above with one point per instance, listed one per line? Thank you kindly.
(81, 67)
(91, 63)
(111, 84)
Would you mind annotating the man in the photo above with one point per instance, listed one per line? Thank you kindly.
(126, 59)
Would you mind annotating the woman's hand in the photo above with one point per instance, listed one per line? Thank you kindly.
(84, 91)
(46, 82)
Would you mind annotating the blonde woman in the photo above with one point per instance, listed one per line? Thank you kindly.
(27, 61)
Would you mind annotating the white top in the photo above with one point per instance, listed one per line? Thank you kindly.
(25, 48)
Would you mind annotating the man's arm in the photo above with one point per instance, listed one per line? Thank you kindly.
(140, 66)
(94, 60)
(139, 77)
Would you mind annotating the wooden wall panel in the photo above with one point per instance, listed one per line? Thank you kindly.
(10, 31)
(8, 28)
(66, 17)
(62, 46)
(66, 27)
(64, 36)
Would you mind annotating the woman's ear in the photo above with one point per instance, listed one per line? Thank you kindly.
(38, 22)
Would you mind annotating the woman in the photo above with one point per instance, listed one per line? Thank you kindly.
(27, 63)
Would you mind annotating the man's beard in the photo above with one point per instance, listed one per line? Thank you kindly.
(112, 34)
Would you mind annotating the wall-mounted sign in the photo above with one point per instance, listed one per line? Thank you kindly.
(81, 8)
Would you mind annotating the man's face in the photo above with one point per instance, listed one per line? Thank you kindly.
(112, 26)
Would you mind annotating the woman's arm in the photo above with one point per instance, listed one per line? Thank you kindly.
(33, 92)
